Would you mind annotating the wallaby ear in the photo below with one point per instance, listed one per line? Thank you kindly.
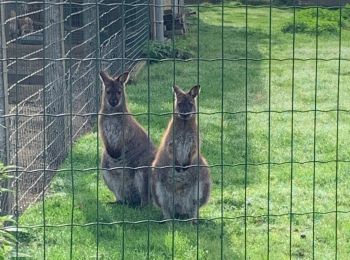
(194, 92)
(177, 90)
(105, 78)
(124, 78)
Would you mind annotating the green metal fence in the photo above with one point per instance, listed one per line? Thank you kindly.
(50, 97)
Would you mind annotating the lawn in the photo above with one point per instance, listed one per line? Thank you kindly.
(272, 163)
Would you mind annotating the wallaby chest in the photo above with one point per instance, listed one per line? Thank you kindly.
(112, 128)
(178, 180)
(184, 143)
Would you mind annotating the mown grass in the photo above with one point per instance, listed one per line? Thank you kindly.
(308, 184)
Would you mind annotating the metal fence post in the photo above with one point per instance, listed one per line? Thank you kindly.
(153, 19)
(5, 200)
(159, 20)
(54, 85)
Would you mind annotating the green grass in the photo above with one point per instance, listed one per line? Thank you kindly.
(312, 190)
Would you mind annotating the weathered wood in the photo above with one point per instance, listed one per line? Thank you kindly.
(54, 84)
(89, 16)
(153, 19)
(24, 92)
(179, 23)
(5, 198)
(24, 79)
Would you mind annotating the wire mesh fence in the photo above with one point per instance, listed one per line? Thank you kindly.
(274, 112)
(49, 52)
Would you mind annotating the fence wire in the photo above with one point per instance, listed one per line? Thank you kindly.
(50, 97)
(51, 70)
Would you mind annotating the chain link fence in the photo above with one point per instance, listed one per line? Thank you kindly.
(51, 52)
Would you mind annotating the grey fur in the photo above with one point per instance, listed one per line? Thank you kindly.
(124, 138)
(189, 187)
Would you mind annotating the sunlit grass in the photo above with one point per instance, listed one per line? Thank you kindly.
(245, 190)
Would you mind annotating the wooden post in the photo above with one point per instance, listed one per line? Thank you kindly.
(159, 20)
(6, 198)
(54, 85)
(89, 17)
(153, 19)
(66, 97)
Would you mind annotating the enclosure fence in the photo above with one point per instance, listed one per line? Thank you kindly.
(50, 96)
(48, 74)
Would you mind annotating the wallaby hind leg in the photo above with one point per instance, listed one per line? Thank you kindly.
(166, 207)
(113, 185)
(142, 185)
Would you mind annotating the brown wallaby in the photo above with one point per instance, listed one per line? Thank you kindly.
(128, 152)
(181, 191)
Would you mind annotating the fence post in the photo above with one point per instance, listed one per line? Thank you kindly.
(159, 20)
(65, 78)
(152, 13)
(54, 79)
(5, 200)
(89, 17)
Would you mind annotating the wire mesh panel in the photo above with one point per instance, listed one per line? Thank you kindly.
(51, 71)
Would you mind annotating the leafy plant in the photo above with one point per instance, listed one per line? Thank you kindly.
(4, 176)
(328, 22)
(284, 2)
(346, 15)
(267, 2)
(157, 51)
(7, 240)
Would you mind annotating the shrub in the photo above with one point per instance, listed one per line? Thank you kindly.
(346, 15)
(284, 2)
(328, 21)
(7, 240)
(254, 2)
(267, 2)
(157, 51)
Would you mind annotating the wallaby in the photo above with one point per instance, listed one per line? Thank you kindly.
(126, 145)
(20, 26)
(181, 191)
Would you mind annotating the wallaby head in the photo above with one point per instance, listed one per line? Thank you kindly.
(113, 89)
(185, 102)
